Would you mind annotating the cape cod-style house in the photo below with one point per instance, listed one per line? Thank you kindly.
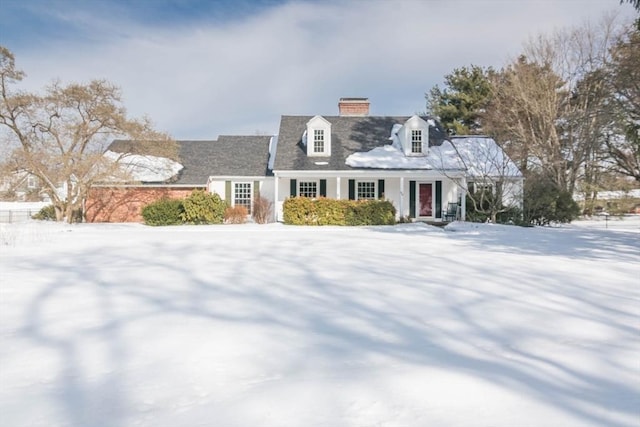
(408, 160)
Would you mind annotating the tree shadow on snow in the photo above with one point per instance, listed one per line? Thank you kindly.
(334, 317)
(552, 241)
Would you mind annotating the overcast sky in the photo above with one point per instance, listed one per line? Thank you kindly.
(203, 68)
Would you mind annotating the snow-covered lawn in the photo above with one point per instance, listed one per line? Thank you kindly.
(411, 325)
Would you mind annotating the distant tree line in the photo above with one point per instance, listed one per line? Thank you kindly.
(566, 110)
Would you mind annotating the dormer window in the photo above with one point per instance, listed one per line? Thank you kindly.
(416, 141)
(317, 137)
(412, 136)
(318, 140)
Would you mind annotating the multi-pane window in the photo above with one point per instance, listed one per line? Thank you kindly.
(242, 195)
(308, 189)
(318, 140)
(31, 182)
(416, 141)
(366, 190)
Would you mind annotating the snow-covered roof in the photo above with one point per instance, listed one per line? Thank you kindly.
(443, 157)
(349, 135)
(229, 155)
(145, 168)
(273, 149)
(482, 156)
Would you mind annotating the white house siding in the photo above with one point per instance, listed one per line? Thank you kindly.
(512, 193)
(267, 188)
(218, 185)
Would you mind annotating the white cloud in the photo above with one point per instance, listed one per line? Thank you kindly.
(298, 58)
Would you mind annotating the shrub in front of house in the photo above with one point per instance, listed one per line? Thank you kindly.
(305, 211)
(371, 212)
(203, 208)
(299, 211)
(545, 204)
(322, 211)
(235, 214)
(262, 210)
(504, 214)
(330, 212)
(163, 212)
(47, 213)
(513, 216)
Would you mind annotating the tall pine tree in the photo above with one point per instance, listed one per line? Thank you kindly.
(462, 101)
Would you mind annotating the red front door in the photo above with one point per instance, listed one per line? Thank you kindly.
(426, 199)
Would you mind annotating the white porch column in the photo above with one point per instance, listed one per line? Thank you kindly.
(401, 213)
(338, 188)
(275, 196)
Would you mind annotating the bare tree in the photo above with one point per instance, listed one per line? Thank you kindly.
(623, 145)
(61, 135)
(523, 111)
(550, 104)
(494, 184)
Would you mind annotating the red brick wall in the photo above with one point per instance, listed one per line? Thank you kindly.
(114, 204)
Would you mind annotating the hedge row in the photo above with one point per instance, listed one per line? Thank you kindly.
(322, 211)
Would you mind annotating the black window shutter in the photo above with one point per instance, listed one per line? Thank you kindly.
(352, 189)
(438, 199)
(380, 188)
(323, 188)
(293, 187)
(412, 199)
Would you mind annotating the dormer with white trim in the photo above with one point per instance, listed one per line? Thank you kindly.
(318, 137)
(414, 137)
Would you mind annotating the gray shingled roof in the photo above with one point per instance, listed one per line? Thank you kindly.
(348, 135)
(228, 156)
(241, 156)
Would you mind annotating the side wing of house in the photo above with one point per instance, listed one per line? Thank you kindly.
(146, 179)
(489, 167)
(239, 170)
(235, 167)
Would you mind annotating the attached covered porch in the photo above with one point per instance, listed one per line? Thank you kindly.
(419, 195)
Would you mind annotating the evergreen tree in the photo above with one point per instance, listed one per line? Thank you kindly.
(636, 5)
(460, 104)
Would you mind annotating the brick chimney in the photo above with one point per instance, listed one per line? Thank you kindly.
(354, 107)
